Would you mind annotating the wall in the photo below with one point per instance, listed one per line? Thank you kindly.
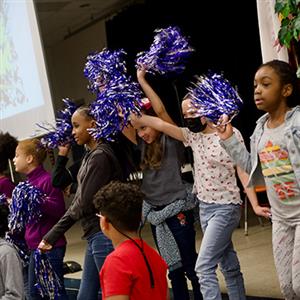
(65, 62)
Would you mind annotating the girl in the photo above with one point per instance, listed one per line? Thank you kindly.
(28, 160)
(168, 206)
(219, 200)
(274, 162)
(99, 166)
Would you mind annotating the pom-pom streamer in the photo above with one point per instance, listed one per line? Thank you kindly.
(25, 207)
(168, 52)
(47, 282)
(61, 134)
(102, 67)
(214, 97)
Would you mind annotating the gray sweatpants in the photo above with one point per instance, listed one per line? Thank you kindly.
(286, 250)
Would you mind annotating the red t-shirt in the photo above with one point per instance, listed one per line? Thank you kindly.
(125, 273)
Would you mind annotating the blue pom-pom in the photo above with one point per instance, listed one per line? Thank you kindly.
(214, 96)
(25, 207)
(61, 134)
(18, 242)
(48, 283)
(168, 52)
(102, 67)
(113, 107)
(3, 199)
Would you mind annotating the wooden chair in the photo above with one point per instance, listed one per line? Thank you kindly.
(259, 191)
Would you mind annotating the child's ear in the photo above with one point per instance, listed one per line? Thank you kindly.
(93, 124)
(29, 158)
(104, 223)
(287, 90)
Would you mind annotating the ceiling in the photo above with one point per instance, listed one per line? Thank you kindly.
(59, 19)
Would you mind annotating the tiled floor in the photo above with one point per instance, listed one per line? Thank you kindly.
(254, 252)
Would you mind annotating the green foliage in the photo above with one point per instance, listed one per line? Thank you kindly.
(289, 11)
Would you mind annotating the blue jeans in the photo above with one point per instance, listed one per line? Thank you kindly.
(218, 222)
(184, 234)
(56, 258)
(98, 247)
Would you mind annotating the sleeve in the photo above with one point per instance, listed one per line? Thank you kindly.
(53, 204)
(188, 136)
(238, 152)
(61, 176)
(11, 272)
(98, 173)
(115, 277)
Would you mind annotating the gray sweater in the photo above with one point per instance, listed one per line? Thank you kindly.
(11, 274)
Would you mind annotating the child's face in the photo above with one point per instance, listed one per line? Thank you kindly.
(21, 160)
(80, 125)
(148, 134)
(268, 91)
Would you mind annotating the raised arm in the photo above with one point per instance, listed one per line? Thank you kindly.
(251, 194)
(155, 100)
(158, 124)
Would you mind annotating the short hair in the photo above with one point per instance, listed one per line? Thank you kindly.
(121, 203)
(35, 148)
(3, 219)
(8, 145)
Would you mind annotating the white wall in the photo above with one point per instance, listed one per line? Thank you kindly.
(65, 62)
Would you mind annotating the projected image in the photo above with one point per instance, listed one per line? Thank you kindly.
(25, 98)
(11, 85)
(17, 61)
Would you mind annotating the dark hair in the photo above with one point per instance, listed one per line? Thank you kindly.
(287, 75)
(84, 110)
(8, 146)
(3, 219)
(121, 203)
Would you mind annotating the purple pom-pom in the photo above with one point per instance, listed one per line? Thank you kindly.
(48, 283)
(25, 206)
(113, 107)
(168, 52)
(102, 67)
(3, 199)
(62, 133)
(18, 242)
(214, 96)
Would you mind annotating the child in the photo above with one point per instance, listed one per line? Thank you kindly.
(133, 270)
(11, 278)
(169, 203)
(274, 162)
(29, 161)
(99, 166)
(219, 200)
(8, 146)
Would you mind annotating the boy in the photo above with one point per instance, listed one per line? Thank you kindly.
(11, 279)
(133, 270)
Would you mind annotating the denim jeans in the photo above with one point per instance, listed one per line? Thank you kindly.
(98, 247)
(56, 258)
(218, 222)
(182, 228)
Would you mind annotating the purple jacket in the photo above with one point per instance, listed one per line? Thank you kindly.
(6, 186)
(53, 208)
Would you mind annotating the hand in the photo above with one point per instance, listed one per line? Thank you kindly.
(67, 191)
(141, 73)
(262, 211)
(224, 127)
(64, 150)
(44, 246)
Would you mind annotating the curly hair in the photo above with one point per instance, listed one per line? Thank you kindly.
(8, 145)
(121, 203)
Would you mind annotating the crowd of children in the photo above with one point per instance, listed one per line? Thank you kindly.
(118, 264)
